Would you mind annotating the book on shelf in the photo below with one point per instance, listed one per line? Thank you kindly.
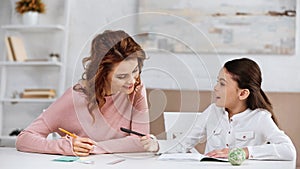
(15, 48)
(39, 90)
(9, 50)
(38, 93)
(24, 96)
(37, 60)
(189, 157)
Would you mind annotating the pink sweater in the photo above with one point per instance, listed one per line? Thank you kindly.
(70, 112)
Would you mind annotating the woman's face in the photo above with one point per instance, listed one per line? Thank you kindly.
(123, 77)
(226, 90)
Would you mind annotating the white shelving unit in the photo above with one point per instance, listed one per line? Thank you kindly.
(50, 35)
(35, 28)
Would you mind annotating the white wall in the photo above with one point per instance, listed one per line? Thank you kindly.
(87, 19)
(280, 73)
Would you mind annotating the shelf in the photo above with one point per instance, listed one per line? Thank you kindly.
(8, 63)
(51, 35)
(34, 28)
(28, 100)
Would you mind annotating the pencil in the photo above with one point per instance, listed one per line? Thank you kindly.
(67, 132)
(116, 161)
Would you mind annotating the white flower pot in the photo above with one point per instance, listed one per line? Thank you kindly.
(30, 18)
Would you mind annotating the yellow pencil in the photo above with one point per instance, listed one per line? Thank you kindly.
(67, 132)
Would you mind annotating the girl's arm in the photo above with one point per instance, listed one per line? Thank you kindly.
(196, 135)
(279, 147)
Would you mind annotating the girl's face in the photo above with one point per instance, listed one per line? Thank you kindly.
(123, 77)
(226, 90)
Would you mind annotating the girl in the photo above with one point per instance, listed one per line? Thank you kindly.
(110, 95)
(241, 117)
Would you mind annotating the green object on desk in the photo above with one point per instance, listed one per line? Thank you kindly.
(66, 159)
(236, 156)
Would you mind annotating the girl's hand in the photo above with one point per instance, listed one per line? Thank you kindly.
(150, 143)
(223, 153)
(83, 146)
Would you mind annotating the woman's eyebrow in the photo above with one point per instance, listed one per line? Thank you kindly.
(121, 74)
(137, 66)
(222, 79)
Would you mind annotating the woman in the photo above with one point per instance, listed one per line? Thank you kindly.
(241, 116)
(110, 95)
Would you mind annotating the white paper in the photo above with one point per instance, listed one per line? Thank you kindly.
(188, 157)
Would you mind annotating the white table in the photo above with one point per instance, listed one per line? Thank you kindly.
(10, 158)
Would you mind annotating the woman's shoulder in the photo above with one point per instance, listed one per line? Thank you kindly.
(64, 101)
(71, 94)
(67, 94)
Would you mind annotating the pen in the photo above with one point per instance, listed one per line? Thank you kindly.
(67, 132)
(131, 131)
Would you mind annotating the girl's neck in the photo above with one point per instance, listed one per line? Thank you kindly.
(236, 110)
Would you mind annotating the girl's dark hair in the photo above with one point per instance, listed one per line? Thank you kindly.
(107, 50)
(247, 74)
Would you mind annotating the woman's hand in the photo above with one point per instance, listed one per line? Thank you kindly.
(150, 143)
(223, 153)
(83, 146)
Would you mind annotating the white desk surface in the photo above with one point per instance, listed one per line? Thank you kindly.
(10, 158)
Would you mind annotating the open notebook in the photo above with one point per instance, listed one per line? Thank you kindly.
(189, 157)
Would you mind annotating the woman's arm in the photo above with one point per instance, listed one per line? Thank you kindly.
(34, 137)
(125, 144)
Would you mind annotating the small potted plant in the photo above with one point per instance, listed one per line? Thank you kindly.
(29, 9)
(54, 57)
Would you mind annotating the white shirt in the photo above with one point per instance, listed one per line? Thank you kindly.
(253, 129)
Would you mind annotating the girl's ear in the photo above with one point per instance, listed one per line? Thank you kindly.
(244, 93)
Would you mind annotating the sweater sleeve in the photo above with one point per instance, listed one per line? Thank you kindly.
(139, 122)
(34, 137)
(280, 147)
(125, 144)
